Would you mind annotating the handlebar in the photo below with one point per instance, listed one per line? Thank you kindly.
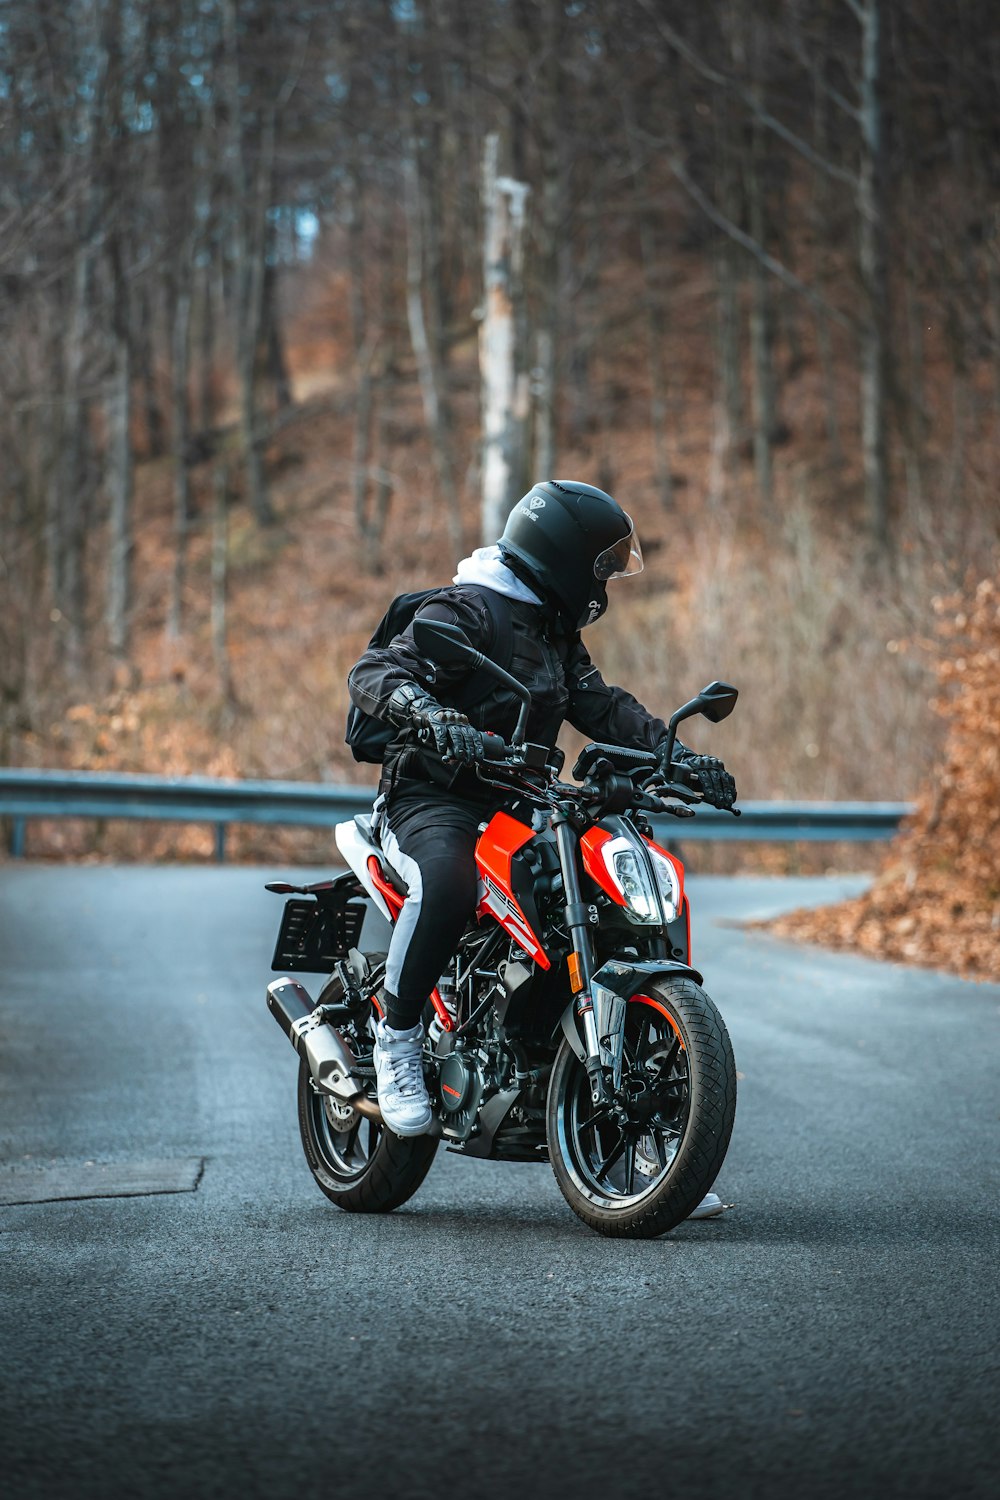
(498, 754)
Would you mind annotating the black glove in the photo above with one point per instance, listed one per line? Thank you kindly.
(704, 773)
(454, 737)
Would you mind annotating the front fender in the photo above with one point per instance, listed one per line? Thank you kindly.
(620, 980)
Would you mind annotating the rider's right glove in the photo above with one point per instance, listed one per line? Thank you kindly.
(454, 737)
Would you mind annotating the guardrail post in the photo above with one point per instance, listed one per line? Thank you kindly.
(220, 843)
(17, 838)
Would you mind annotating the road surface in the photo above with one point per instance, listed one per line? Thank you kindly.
(228, 1333)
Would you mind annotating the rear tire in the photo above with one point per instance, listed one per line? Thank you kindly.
(640, 1180)
(356, 1162)
(387, 1170)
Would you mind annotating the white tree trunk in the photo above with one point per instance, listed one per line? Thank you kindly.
(504, 387)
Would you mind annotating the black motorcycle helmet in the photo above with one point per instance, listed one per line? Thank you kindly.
(570, 538)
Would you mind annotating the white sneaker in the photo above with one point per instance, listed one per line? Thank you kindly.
(399, 1078)
(710, 1207)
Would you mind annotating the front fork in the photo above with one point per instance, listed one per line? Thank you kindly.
(580, 918)
(600, 996)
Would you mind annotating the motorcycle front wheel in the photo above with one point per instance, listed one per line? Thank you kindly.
(639, 1171)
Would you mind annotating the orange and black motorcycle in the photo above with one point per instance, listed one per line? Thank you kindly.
(570, 1026)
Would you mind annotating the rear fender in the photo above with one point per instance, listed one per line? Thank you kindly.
(357, 851)
(612, 987)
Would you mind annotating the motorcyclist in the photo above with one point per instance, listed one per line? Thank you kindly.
(548, 572)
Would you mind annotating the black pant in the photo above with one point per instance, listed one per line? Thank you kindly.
(429, 838)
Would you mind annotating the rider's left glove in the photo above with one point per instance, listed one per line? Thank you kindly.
(453, 736)
(704, 773)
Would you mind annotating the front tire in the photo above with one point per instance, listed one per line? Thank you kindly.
(639, 1177)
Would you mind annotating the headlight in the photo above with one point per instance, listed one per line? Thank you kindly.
(670, 886)
(629, 872)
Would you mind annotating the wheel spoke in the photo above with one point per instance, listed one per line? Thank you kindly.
(630, 1167)
(664, 1064)
(659, 1148)
(351, 1139)
(612, 1156)
(645, 1041)
(593, 1119)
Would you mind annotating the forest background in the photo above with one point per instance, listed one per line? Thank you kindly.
(296, 298)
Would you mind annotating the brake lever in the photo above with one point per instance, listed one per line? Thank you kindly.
(675, 789)
(653, 804)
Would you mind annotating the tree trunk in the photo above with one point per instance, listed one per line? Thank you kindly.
(180, 440)
(119, 459)
(382, 483)
(220, 553)
(274, 345)
(144, 357)
(874, 275)
(729, 415)
(993, 280)
(362, 349)
(652, 300)
(504, 381)
(549, 230)
(248, 211)
(819, 209)
(761, 319)
(206, 350)
(435, 414)
(67, 496)
(381, 480)
(252, 239)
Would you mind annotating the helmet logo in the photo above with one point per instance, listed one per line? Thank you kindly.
(537, 503)
(528, 510)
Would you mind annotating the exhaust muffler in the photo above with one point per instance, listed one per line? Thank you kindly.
(329, 1059)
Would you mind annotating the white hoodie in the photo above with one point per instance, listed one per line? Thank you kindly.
(485, 569)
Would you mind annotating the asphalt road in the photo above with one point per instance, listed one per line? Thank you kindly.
(835, 1333)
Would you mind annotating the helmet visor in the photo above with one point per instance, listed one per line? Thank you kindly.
(621, 560)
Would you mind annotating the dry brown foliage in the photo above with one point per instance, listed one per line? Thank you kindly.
(937, 900)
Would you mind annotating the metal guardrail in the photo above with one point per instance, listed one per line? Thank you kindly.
(28, 794)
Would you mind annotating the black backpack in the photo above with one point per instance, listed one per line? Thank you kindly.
(369, 737)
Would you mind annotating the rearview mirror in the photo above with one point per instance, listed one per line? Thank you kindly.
(445, 644)
(449, 646)
(717, 701)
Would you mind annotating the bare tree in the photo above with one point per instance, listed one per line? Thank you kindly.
(428, 364)
(249, 198)
(503, 376)
(871, 193)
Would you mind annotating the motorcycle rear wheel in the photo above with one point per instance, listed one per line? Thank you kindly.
(642, 1179)
(356, 1162)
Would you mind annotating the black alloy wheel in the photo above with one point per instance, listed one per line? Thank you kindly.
(639, 1167)
(359, 1164)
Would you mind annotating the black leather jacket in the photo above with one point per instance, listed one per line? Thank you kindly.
(555, 667)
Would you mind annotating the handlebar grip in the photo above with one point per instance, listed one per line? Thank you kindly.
(494, 747)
